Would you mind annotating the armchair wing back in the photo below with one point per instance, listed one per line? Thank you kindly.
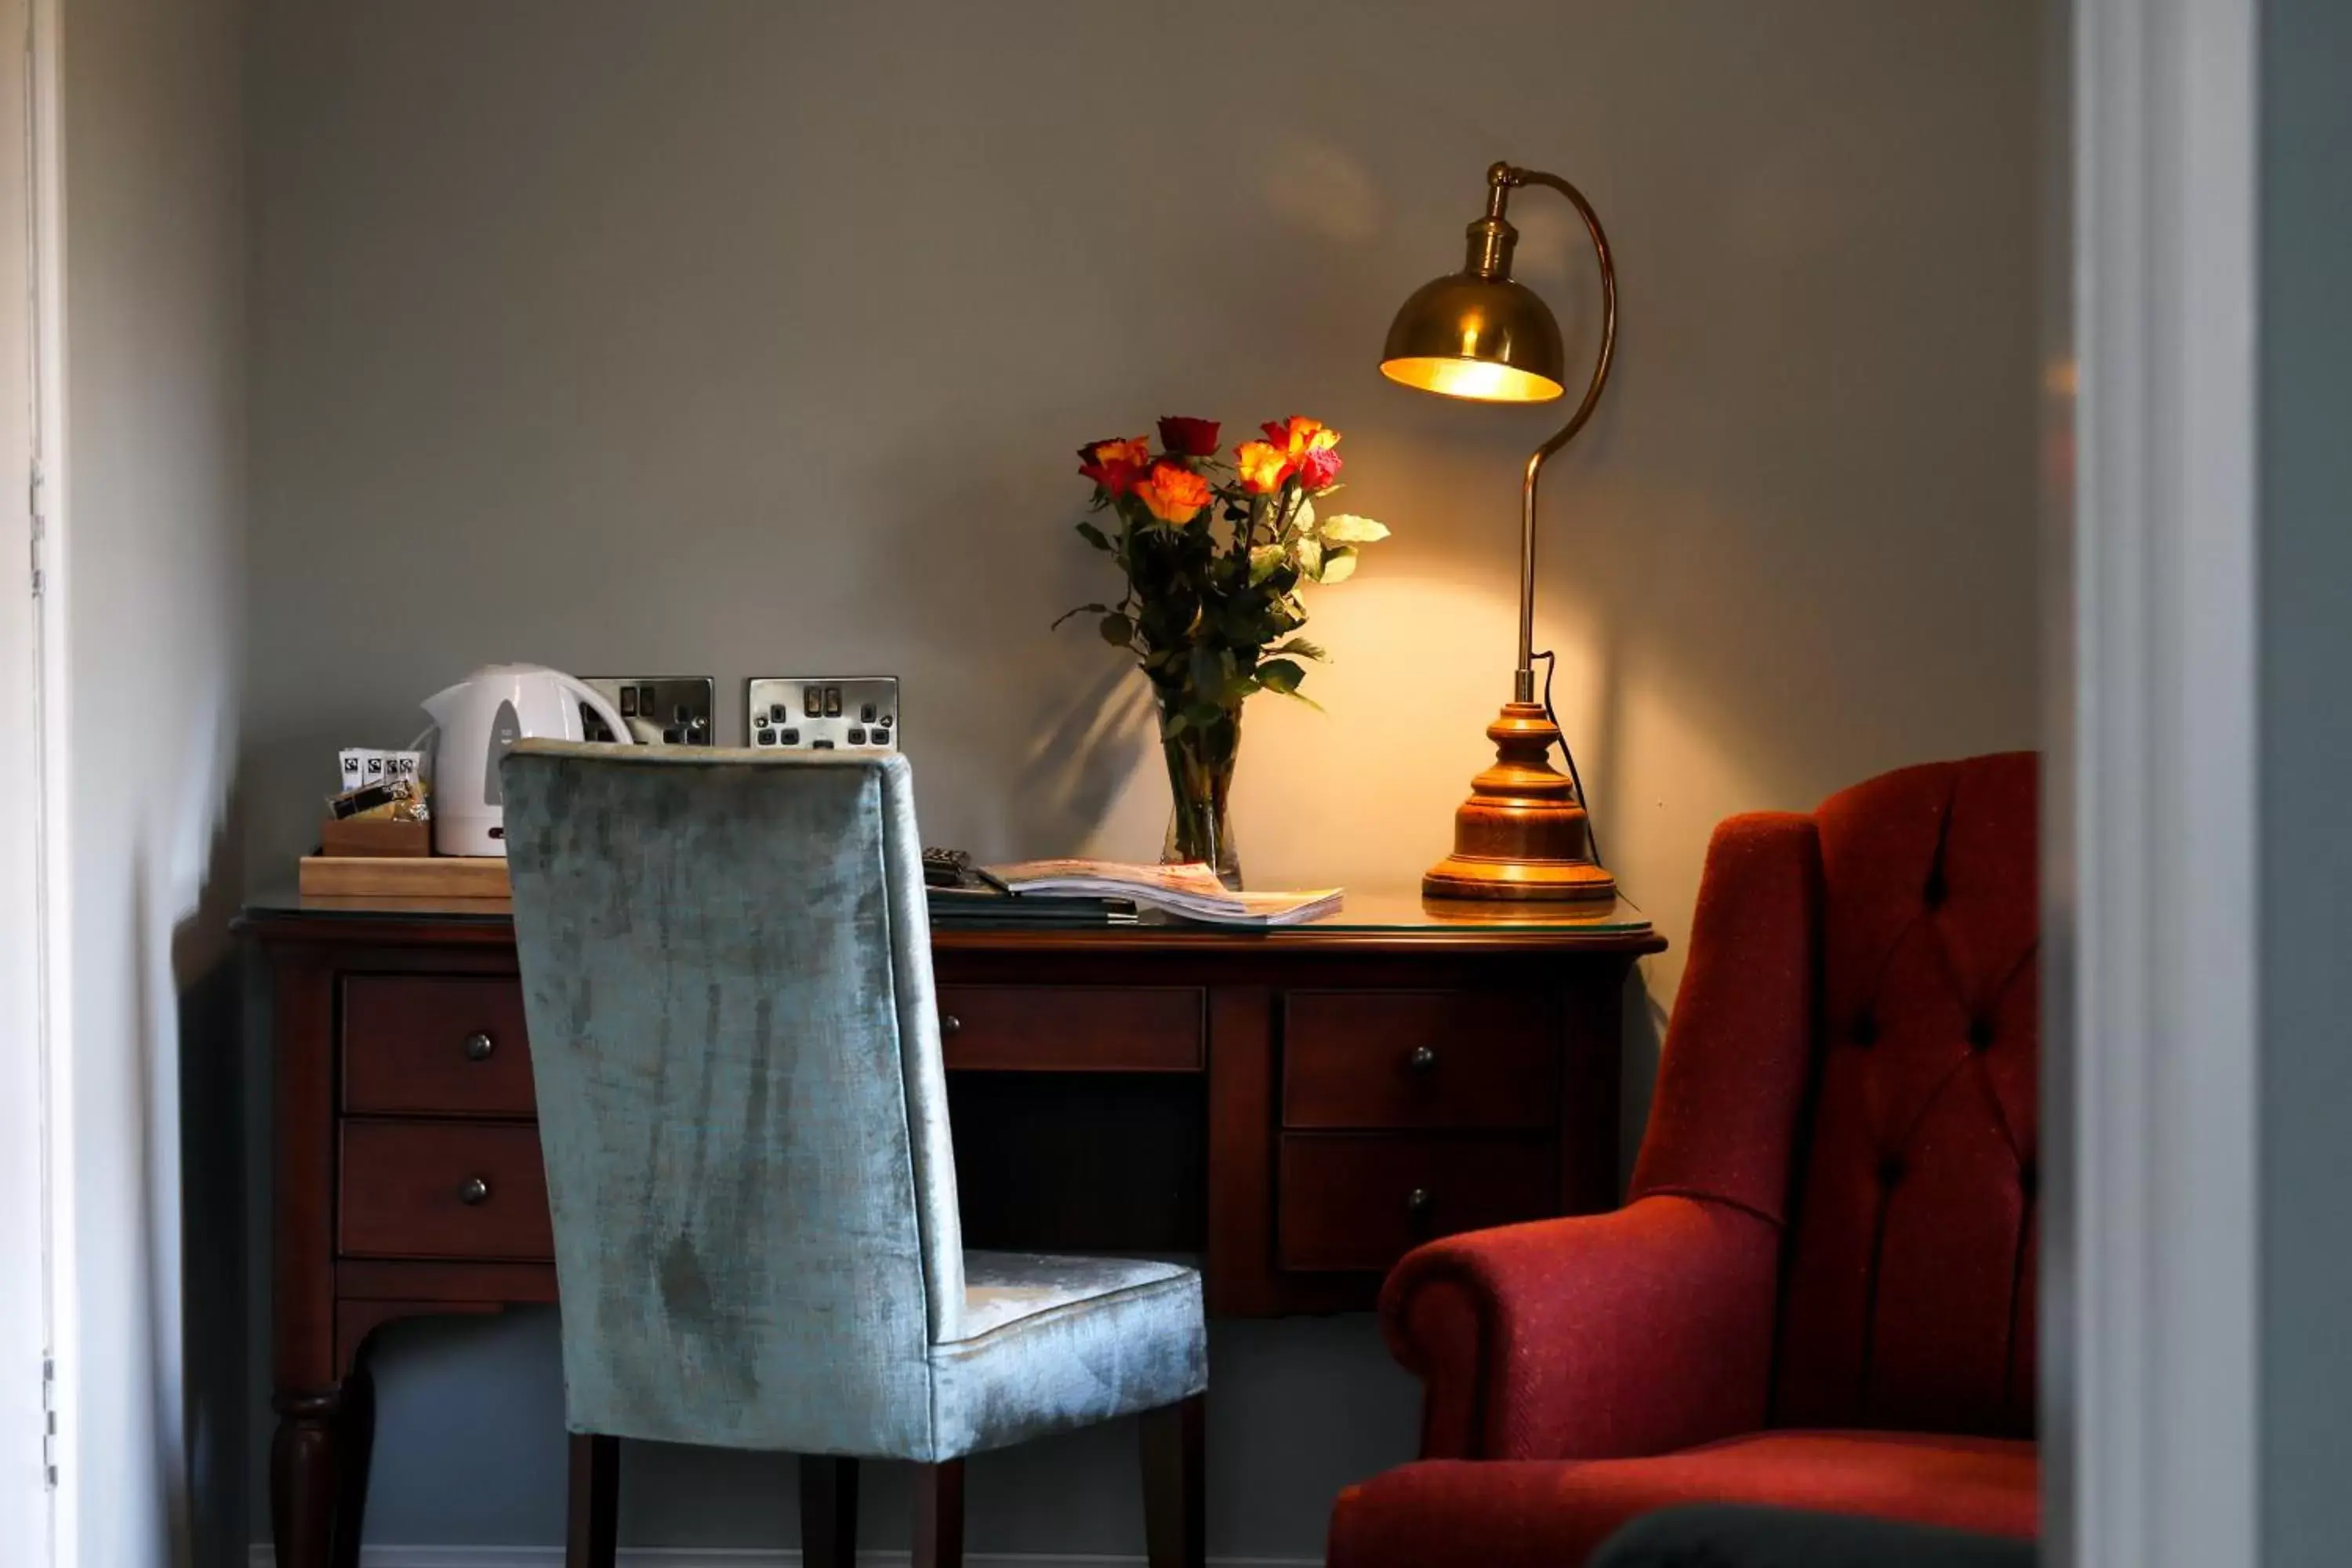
(1821, 1294)
(728, 985)
(1855, 1059)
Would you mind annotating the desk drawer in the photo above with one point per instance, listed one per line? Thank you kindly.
(408, 1191)
(1058, 1028)
(1351, 1203)
(435, 1045)
(1418, 1058)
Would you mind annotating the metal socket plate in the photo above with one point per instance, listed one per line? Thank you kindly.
(661, 710)
(823, 712)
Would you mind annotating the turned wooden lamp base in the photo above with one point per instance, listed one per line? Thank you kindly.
(1521, 836)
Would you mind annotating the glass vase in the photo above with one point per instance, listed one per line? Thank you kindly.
(1199, 787)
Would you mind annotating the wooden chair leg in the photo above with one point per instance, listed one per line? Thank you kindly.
(356, 1436)
(938, 1515)
(828, 1511)
(1175, 1487)
(591, 1526)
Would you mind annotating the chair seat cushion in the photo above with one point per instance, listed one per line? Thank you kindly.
(999, 1287)
(1050, 1343)
(1525, 1513)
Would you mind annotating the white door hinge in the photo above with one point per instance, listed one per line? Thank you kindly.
(49, 1420)
(40, 525)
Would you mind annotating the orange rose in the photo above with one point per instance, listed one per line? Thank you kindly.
(1298, 436)
(1175, 494)
(1116, 466)
(1263, 468)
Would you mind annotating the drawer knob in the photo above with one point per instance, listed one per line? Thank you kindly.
(1417, 1200)
(1423, 1057)
(473, 1192)
(479, 1047)
(950, 1024)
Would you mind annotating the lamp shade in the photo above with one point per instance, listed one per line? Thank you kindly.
(1486, 339)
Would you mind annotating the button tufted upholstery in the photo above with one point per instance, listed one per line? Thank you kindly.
(1908, 1295)
(1822, 1290)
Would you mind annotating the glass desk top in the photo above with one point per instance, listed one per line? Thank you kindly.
(1371, 911)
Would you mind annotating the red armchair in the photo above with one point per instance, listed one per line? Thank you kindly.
(1821, 1291)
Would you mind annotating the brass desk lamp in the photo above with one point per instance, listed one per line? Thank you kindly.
(1475, 334)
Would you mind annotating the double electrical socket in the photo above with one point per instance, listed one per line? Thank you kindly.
(660, 709)
(823, 712)
(798, 712)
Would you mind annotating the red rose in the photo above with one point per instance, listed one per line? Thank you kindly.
(1189, 438)
(1114, 465)
(1318, 467)
(1298, 436)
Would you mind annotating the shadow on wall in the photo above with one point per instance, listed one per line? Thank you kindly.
(1086, 756)
(165, 1231)
(222, 1165)
(1322, 1392)
(1052, 710)
(154, 1311)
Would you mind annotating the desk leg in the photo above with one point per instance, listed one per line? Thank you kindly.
(316, 1446)
(306, 1479)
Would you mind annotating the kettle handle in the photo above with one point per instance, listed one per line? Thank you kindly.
(595, 699)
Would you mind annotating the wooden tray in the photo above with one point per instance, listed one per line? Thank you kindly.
(376, 838)
(430, 876)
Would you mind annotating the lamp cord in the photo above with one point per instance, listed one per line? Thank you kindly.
(1592, 834)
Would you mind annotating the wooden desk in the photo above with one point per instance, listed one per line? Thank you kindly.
(1298, 1107)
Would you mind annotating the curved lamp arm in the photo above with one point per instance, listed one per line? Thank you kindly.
(1501, 179)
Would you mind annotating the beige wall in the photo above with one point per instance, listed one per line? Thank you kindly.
(153, 590)
(745, 338)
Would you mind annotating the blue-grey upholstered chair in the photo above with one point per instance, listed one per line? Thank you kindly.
(727, 972)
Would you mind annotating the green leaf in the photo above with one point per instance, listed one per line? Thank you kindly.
(1349, 529)
(1302, 696)
(1303, 520)
(1211, 668)
(1265, 562)
(1310, 557)
(1094, 536)
(1338, 563)
(1280, 675)
(1303, 649)
(1117, 630)
(1081, 610)
(1176, 725)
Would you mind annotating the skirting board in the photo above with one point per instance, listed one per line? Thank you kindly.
(261, 1556)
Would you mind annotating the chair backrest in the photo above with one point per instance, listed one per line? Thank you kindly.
(1908, 1296)
(726, 966)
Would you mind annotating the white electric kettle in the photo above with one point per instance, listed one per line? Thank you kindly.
(479, 718)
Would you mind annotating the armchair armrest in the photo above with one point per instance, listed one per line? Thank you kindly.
(1611, 1335)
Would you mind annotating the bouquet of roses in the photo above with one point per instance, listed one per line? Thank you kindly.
(1214, 553)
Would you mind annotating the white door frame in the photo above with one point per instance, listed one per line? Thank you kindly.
(26, 1313)
(2149, 1310)
(43, 69)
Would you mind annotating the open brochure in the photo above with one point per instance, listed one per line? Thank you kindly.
(1190, 892)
